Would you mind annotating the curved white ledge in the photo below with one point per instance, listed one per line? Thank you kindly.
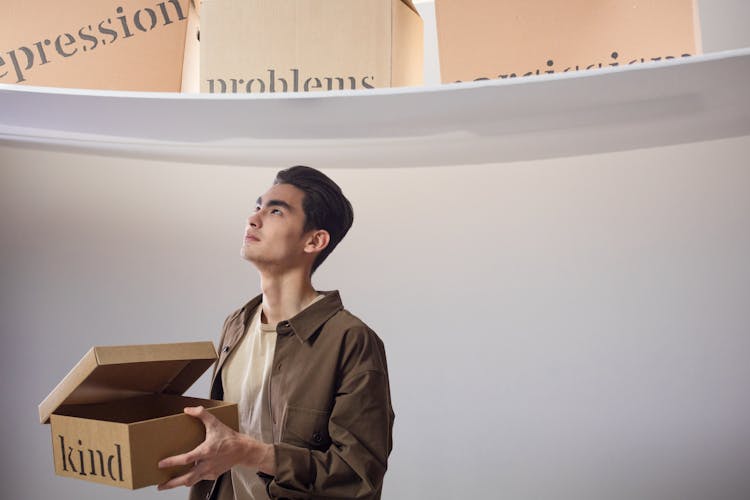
(614, 109)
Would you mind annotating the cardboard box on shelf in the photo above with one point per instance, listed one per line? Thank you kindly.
(94, 44)
(120, 410)
(487, 39)
(261, 46)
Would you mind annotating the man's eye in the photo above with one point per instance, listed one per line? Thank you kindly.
(276, 211)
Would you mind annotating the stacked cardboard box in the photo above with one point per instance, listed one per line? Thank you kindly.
(487, 39)
(261, 46)
(94, 44)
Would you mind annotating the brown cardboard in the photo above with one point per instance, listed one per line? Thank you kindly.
(120, 410)
(260, 46)
(487, 39)
(93, 44)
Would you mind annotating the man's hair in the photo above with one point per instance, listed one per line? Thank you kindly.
(324, 204)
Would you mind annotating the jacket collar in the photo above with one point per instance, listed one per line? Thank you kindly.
(305, 323)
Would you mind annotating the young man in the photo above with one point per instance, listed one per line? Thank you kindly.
(310, 378)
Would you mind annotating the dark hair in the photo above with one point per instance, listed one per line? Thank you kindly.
(324, 204)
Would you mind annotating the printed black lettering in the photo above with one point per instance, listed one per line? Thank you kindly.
(220, 81)
(14, 60)
(119, 461)
(329, 83)
(107, 31)
(81, 463)
(272, 81)
(93, 463)
(275, 83)
(88, 37)
(2, 63)
(614, 56)
(295, 74)
(367, 85)
(178, 9)
(317, 84)
(101, 462)
(59, 45)
(62, 453)
(137, 19)
(40, 50)
(92, 471)
(164, 13)
(70, 459)
(110, 459)
(261, 85)
(124, 22)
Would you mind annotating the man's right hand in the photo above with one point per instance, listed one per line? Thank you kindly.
(222, 449)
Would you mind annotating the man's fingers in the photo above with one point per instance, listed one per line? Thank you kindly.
(188, 479)
(199, 412)
(184, 459)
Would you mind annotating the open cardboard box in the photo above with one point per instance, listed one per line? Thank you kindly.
(261, 46)
(120, 410)
(488, 39)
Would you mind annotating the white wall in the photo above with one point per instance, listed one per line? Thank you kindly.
(573, 328)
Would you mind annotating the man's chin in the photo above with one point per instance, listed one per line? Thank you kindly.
(246, 254)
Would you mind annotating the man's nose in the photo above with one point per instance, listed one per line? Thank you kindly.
(254, 220)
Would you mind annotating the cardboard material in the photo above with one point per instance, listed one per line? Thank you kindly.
(487, 39)
(191, 59)
(120, 410)
(261, 46)
(93, 44)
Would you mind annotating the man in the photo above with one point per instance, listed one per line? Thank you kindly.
(310, 378)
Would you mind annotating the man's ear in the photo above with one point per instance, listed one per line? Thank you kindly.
(317, 241)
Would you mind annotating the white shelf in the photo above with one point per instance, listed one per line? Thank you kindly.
(693, 99)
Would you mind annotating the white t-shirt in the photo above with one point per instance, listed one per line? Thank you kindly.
(245, 378)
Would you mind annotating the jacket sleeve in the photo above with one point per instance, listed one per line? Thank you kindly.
(359, 428)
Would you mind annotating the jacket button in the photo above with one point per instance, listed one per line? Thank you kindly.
(317, 437)
(226, 348)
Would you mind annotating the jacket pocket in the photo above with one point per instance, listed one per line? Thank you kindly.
(306, 427)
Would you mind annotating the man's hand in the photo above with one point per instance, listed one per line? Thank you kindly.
(222, 449)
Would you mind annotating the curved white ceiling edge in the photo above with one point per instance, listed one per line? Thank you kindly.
(646, 105)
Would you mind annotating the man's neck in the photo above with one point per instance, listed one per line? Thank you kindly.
(285, 295)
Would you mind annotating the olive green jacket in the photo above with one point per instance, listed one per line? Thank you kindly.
(330, 404)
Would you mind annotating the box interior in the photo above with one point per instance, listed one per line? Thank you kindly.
(135, 409)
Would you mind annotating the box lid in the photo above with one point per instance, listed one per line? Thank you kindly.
(116, 372)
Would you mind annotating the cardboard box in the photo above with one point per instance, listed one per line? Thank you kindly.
(258, 46)
(191, 60)
(93, 44)
(120, 410)
(487, 39)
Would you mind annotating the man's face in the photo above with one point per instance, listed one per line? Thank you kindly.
(273, 234)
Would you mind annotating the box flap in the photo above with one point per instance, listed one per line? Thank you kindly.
(117, 372)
